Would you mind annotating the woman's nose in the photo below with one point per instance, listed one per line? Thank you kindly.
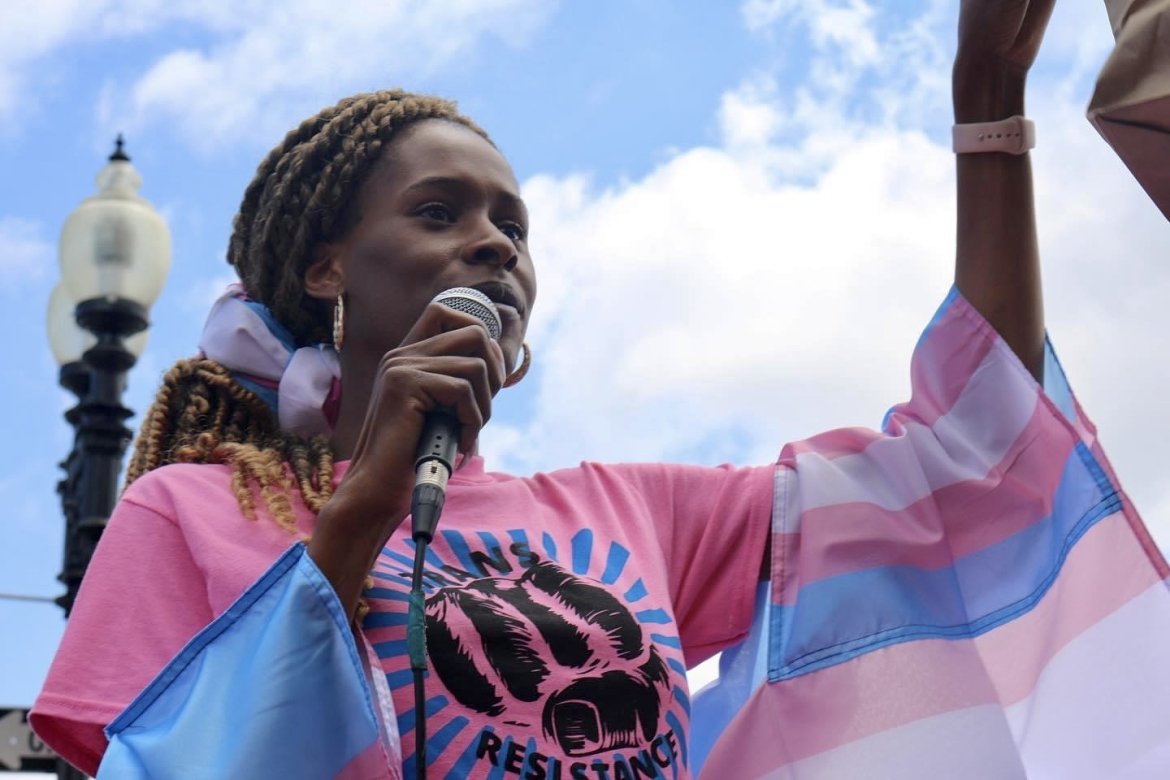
(492, 248)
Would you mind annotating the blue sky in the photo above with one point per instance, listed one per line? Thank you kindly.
(742, 215)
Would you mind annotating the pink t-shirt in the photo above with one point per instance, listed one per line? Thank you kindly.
(563, 610)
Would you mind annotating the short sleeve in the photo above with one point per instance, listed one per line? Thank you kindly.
(141, 600)
(713, 524)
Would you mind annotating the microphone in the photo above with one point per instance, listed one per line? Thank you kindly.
(439, 443)
(433, 462)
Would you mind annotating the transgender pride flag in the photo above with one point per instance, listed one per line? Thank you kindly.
(967, 594)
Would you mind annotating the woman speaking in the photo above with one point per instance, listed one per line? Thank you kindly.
(272, 597)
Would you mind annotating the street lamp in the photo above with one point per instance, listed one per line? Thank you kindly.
(115, 252)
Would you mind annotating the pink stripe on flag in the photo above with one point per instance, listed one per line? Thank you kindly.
(892, 686)
(1135, 522)
(839, 704)
(974, 743)
(1017, 652)
(932, 533)
(895, 471)
(949, 353)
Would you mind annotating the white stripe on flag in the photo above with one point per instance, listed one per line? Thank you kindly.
(1106, 693)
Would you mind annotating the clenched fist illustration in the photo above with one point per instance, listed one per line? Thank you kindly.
(549, 636)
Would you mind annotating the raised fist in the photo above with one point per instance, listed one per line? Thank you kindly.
(551, 638)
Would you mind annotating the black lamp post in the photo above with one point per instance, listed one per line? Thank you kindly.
(89, 489)
(115, 252)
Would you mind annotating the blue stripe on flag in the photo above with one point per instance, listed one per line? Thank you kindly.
(279, 664)
(742, 669)
(979, 592)
(1056, 384)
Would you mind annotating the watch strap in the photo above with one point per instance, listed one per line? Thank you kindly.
(1014, 135)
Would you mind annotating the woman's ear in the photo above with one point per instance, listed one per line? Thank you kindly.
(324, 279)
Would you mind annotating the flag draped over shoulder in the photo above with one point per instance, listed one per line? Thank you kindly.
(275, 687)
(967, 594)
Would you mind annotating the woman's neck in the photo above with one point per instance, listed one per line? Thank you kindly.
(357, 380)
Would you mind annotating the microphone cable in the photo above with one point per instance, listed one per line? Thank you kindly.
(416, 640)
(436, 454)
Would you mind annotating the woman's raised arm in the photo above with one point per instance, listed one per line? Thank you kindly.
(997, 264)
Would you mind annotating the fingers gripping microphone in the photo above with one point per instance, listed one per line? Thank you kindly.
(433, 462)
(439, 443)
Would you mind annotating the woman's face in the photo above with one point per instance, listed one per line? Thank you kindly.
(441, 209)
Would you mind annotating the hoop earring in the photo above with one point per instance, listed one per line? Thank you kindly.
(515, 377)
(339, 323)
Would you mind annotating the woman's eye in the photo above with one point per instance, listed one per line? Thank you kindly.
(513, 231)
(436, 211)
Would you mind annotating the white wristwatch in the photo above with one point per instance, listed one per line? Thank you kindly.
(1014, 135)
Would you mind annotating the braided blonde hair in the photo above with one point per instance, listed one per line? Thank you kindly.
(303, 195)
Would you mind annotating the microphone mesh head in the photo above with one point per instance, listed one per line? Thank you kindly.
(475, 303)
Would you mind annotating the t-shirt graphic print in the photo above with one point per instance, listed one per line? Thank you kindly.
(550, 661)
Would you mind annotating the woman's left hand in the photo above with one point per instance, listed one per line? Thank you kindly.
(998, 42)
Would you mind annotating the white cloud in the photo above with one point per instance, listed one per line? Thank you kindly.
(844, 26)
(851, 64)
(712, 302)
(30, 29)
(277, 67)
(739, 297)
(748, 116)
(24, 254)
(261, 67)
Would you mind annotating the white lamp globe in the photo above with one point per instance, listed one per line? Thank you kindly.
(115, 245)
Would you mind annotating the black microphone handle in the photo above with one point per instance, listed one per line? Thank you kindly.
(433, 463)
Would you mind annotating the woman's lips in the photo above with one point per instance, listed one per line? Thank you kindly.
(502, 295)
